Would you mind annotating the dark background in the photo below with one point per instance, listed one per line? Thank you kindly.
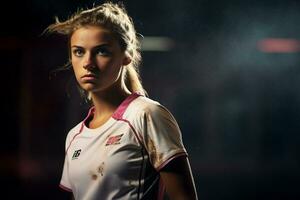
(238, 107)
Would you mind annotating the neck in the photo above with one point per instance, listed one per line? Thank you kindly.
(107, 101)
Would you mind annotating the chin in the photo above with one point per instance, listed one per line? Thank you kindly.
(92, 87)
(89, 86)
(96, 89)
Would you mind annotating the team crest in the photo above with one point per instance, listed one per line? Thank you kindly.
(112, 140)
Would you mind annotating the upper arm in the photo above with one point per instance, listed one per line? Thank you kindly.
(161, 135)
(163, 141)
(178, 179)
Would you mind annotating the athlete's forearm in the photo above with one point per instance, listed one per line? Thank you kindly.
(178, 179)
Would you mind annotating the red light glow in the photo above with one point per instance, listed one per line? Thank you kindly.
(278, 45)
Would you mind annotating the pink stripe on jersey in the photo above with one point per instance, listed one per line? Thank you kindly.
(118, 114)
(138, 137)
(82, 125)
(92, 109)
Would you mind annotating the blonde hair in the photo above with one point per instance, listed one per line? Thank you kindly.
(115, 18)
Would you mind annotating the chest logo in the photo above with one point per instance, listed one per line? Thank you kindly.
(76, 154)
(112, 140)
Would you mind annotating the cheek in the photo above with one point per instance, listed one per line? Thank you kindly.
(112, 68)
(76, 68)
(106, 66)
(74, 62)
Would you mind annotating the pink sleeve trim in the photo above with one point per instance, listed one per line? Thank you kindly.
(170, 159)
(65, 188)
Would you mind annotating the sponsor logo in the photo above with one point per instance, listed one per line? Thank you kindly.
(112, 140)
(76, 154)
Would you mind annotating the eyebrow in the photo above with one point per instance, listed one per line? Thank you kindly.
(97, 46)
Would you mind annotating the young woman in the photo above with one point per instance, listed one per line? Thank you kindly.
(128, 146)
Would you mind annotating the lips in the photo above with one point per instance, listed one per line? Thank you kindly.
(88, 77)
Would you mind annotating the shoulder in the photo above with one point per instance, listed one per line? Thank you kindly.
(144, 107)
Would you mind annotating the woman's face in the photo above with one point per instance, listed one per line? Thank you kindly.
(97, 58)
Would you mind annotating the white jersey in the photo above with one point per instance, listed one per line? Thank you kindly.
(122, 158)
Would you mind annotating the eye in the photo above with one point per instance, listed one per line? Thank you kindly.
(102, 51)
(78, 52)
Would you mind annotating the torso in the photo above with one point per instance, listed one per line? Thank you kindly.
(111, 161)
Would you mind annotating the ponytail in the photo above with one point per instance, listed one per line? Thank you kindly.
(133, 81)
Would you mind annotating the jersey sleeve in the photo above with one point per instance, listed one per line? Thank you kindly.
(65, 182)
(161, 136)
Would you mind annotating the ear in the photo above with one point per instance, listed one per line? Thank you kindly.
(126, 60)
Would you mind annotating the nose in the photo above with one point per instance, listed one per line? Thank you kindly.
(89, 66)
(89, 63)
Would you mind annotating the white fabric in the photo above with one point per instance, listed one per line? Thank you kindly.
(122, 158)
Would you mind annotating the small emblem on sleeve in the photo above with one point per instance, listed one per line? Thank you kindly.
(76, 154)
(112, 140)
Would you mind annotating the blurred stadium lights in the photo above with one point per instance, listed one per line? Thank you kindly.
(279, 45)
(157, 44)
